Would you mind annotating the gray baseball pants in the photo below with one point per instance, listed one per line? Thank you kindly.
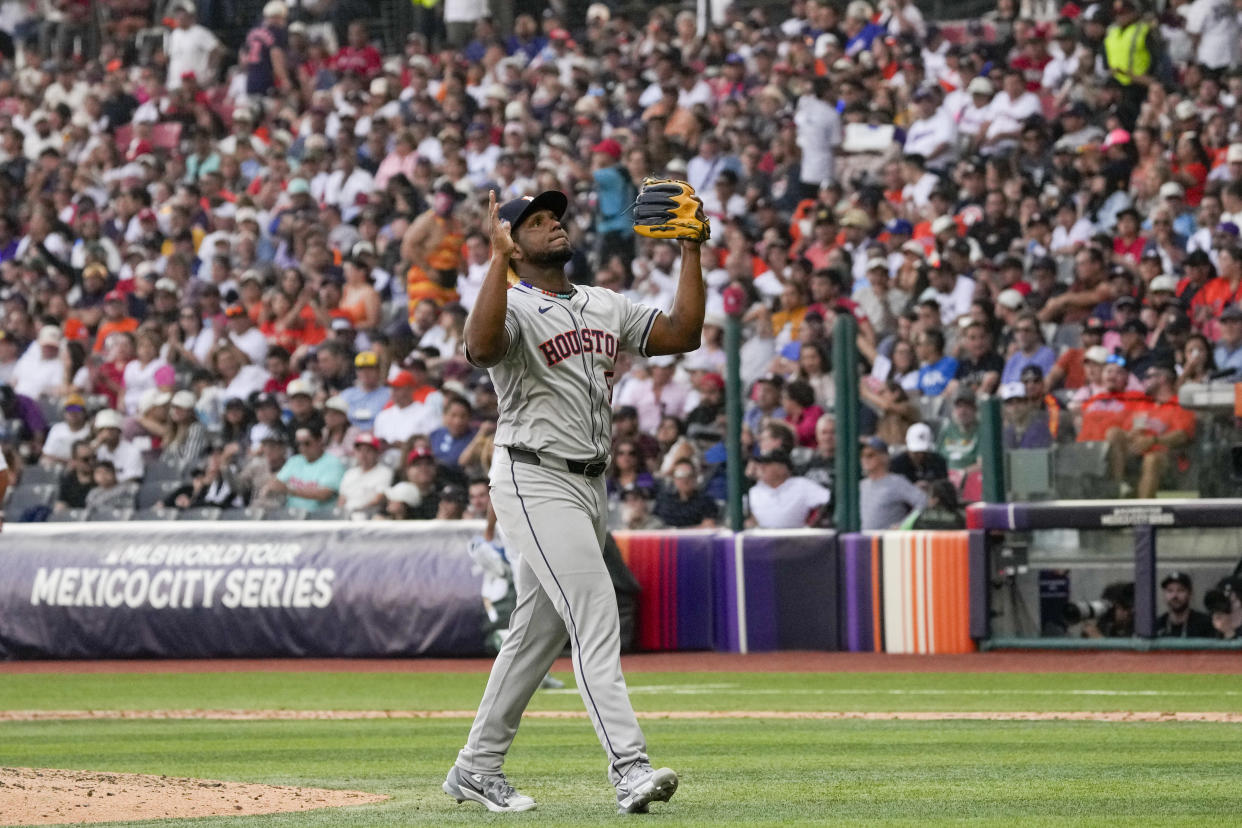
(555, 523)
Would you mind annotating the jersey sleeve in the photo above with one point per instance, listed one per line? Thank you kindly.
(636, 322)
(512, 329)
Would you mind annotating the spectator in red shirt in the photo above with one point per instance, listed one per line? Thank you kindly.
(801, 412)
(357, 56)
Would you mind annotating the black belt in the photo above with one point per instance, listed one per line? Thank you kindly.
(593, 469)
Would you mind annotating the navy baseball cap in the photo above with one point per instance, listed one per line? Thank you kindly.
(519, 209)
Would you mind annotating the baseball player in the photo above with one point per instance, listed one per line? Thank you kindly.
(551, 347)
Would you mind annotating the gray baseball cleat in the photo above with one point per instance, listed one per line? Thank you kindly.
(490, 790)
(643, 785)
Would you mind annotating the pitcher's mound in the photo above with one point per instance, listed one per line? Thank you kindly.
(41, 796)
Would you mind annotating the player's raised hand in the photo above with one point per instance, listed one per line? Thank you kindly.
(502, 238)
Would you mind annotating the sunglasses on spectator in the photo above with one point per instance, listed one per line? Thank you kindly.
(1024, 329)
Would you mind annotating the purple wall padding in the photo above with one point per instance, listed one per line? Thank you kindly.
(857, 609)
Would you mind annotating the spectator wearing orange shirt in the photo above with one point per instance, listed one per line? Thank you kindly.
(116, 319)
(1108, 410)
(1225, 289)
(1153, 432)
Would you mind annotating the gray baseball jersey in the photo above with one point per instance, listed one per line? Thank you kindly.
(554, 387)
(558, 371)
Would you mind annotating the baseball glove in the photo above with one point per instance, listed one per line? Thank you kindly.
(669, 209)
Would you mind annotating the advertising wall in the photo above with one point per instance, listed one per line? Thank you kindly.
(253, 589)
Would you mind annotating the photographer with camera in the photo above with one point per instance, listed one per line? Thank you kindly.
(1109, 616)
(1225, 604)
(1180, 621)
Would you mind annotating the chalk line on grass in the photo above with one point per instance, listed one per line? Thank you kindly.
(825, 715)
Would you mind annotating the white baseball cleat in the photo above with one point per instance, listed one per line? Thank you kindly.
(643, 785)
(492, 791)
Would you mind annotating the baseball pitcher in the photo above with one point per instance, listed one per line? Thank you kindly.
(551, 347)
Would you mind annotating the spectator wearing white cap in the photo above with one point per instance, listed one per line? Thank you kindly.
(920, 463)
(125, 455)
(185, 437)
(39, 371)
(191, 49)
(1173, 204)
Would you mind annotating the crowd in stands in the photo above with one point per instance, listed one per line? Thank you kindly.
(234, 277)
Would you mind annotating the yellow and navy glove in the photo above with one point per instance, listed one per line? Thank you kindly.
(669, 209)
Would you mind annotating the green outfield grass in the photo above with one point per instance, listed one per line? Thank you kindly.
(752, 772)
(650, 691)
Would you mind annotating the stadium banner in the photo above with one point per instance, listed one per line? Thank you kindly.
(243, 590)
(906, 592)
(676, 570)
(778, 591)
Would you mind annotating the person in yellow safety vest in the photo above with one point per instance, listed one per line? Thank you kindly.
(1130, 50)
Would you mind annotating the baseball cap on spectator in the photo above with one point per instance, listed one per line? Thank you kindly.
(49, 335)
(1185, 110)
(402, 379)
(298, 186)
(183, 399)
(1233, 155)
(336, 403)
(1013, 391)
(74, 401)
(1096, 353)
(1227, 227)
(299, 387)
(899, 227)
(107, 418)
(775, 456)
(276, 9)
(855, 217)
(1011, 299)
(608, 147)
(404, 492)
(146, 214)
(1031, 373)
(362, 248)
(1176, 578)
(713, 379)
(342, 323)
(263, 399)
(114, 295)
(366, 438)
(1115, 139)
(235, 310)
(454, 493)
(1137, 326)
(366, 359)
(980, 86)
(1231, 312)
(943, 224)
(966, 398)
(235, 402)
(662, 361)
(877, 263)
(1171, 189)
(919, 437)
(419, 453)
(1125, 302)
(875, 444)
(166, 285)
(1164, 283)
(644, 492)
